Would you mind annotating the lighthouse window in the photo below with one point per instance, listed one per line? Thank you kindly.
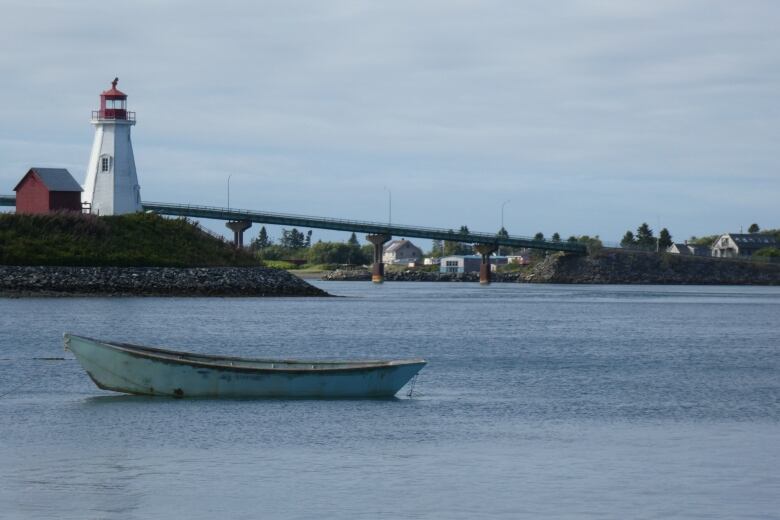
(104, 164)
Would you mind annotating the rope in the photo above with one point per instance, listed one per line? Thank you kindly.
(411, 387)
(14, 389)
(23, 383)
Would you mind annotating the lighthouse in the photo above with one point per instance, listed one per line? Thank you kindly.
(111, 187)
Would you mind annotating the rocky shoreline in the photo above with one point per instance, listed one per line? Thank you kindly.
(16, 281)
(604, 267)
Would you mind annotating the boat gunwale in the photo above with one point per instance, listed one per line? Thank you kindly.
(181, 358)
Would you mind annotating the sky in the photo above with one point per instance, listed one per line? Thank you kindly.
(589, 117)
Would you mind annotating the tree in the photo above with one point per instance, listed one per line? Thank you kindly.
(644, 237)
(261, 241)
(593, 244)
(453, 247)
(335, 253)
(754, 228)
(293, 239)
(539, 236)
(308, 239)
(664, 239)
(353, 240)
(502, 233)
(556, 237)
(628, 241)
(573, 239)
(437, 248)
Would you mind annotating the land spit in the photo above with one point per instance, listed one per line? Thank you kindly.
(605, 267)
(151, 281)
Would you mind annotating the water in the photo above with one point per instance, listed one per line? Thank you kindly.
(539, 401)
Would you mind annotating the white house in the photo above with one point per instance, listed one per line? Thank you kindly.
(733, 245)
(468, 263)
(401, 252)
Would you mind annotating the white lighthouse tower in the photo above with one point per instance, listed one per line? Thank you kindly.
(112, 186)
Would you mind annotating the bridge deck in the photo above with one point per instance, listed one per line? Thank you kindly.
(303, 221)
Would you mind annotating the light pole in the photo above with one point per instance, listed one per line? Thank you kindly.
(502, 212)
(228, 186)
(389, 206)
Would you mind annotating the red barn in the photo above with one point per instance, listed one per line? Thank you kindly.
(43, 190)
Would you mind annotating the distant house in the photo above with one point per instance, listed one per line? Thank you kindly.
(431, 261)
(522, 259)
(689, 249)
(679, 249)
(401, 252)
(43, 190)
(734, 245)
(468, 263)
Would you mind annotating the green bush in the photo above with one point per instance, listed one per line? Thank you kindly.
(124, 240)
(768, 252)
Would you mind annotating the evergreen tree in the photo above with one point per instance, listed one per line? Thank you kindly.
(556, 237)
(644, 237)
(503, 233)
(308, 239)
(437, 248)
(664, 239)
(573, 239)
(353, 241)
(292, 239)
(754, 228)
(628, 241)
(539, 236)
(452, 247)
(262, 241)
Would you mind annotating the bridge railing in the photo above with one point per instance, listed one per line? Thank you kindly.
(267, 217)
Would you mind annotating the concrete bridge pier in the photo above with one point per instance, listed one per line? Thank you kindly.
(378, 267)
(238, 227)
(484, 269)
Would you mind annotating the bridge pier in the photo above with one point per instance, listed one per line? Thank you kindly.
(484, 269)
(378, 267)
(238, 227)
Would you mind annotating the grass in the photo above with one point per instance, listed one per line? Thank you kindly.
(137, 239)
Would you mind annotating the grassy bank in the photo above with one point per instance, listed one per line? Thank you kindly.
(125, 240)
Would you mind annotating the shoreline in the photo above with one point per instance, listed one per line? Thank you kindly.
(65, 281)
(607, 267)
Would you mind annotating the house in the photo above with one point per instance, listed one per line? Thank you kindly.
(43, 190)
(689, 249)
(521, 259)
(734, 245)
(468, 263)
(401, 252)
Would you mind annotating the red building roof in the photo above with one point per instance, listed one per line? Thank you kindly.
(55, 179)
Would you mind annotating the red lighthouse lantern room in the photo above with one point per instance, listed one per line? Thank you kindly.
(113, 104)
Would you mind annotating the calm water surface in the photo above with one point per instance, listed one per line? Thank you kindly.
(539, 401)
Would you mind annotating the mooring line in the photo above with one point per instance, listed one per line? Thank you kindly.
(411, 387)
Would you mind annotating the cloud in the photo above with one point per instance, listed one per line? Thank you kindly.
(569, 109)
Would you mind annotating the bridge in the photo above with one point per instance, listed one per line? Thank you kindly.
(239, 220)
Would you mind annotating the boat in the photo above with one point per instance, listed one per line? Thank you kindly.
(140, 370)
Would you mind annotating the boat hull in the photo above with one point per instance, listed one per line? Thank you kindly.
(136, 370)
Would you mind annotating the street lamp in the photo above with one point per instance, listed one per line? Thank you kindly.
(389, 206)
(228, 186)
(502, 212)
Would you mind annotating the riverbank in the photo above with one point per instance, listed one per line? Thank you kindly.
(603, 267)
(17, 281)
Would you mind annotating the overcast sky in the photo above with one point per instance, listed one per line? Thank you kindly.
(589, 116)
